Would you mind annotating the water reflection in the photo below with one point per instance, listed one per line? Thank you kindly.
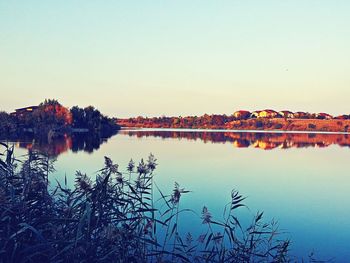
(57, 146)
(305, 190)
(265, 141)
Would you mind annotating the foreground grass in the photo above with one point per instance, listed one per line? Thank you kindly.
(114, 219)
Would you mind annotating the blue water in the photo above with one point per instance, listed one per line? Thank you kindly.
(305, 189)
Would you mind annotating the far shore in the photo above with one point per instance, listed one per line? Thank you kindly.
(227, 130)
(260, 125)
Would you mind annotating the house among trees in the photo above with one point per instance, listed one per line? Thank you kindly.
(301, 115)
(286, 114)
(323, 116)
(23, 111)
(264, 114)
(255, 114)
(242, 114)
(269, 114)
(342, 117)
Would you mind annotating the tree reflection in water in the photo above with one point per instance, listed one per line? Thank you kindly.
(261, 140)
(53, 148)
(266, 141)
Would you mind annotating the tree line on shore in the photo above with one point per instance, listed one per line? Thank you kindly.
(205, 121)
(220, 121)
(50, 118)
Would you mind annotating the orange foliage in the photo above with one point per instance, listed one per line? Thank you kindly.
(60, 113)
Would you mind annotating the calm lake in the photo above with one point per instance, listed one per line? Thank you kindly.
(300, 180)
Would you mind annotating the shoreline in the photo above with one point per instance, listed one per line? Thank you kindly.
(131, 129)
(257, 125)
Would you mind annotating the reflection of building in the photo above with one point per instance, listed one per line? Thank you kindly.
(286, 144)
(241, 143)
(23, 111)
(245, 139)
(265, 145)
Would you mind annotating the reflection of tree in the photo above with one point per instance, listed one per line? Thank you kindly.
(266, 141)
(53, 148)
(86, 143)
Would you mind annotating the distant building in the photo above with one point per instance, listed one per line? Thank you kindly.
(242, 114)
(324, 116)
(286, 114)
(23, 111)
(301, 115)
(264, 114)
(255, 114)
(342, 117)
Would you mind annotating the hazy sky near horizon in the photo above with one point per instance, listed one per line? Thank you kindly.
(150, 58)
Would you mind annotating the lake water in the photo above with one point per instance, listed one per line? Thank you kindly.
(301, 180)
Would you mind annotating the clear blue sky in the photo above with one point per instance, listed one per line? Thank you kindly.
(187, 57)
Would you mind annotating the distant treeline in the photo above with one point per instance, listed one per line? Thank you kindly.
(194, 122)
(241, 119)
(52, 119)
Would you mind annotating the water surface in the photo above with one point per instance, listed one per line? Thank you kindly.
(301, 180)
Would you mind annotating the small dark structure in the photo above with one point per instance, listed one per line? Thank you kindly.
(23, 111)
(323, 116)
